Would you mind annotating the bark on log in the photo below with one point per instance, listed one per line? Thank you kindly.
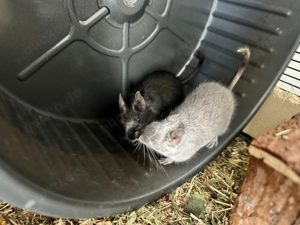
(270, 193)
(283, 142)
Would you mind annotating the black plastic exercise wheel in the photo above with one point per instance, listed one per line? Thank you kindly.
(63, 64)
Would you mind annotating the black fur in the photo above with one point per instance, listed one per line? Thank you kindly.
(161, 91)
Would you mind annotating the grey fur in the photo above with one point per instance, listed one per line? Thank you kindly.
(203, 116)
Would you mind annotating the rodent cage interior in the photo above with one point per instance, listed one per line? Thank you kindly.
(61, 144)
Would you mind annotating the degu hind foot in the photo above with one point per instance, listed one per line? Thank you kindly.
(213, 143)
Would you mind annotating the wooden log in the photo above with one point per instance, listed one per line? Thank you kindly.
(270, 193)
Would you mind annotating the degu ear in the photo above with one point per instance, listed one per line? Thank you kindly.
(139, 103)
(175, 137)
(122, 104)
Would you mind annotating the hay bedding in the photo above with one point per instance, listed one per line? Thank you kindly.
(215, 188)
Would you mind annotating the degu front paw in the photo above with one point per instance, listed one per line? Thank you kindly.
(165, 161)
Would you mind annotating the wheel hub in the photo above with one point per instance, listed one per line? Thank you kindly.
(122, 11)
